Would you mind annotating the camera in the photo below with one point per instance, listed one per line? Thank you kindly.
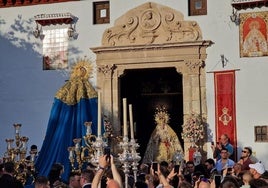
(229, 169)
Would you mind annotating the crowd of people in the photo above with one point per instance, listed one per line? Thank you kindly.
(221, 171)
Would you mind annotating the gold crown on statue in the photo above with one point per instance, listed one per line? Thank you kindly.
(82, 69)
(161, 114)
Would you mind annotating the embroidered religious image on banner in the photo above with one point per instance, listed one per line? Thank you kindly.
(253, 34)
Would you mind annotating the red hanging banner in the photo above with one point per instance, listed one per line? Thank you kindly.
(224, 82)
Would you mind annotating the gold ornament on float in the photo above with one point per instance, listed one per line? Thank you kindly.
(78, 87)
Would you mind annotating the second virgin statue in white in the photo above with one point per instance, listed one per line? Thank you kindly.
(164, 142)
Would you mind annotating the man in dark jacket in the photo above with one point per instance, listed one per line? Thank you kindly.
(8, 179)
(86, 178)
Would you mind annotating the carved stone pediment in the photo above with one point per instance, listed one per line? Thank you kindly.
(151, 23)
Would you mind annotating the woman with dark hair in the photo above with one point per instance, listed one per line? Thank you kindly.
(229, 182)
(185, 184)
(41, 182)
(54, 176)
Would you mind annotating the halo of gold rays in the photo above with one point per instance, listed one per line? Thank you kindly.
(82, 68)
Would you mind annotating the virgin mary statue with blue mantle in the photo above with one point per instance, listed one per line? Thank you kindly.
(164, 142)
(74, 104)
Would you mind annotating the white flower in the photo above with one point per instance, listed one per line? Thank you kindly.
(193, 129)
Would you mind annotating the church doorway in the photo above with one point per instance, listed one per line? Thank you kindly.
(147, 89)
(150, 65)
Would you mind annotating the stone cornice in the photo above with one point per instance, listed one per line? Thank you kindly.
(205, 43)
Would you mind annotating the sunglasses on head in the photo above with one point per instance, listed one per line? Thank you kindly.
(205, 180)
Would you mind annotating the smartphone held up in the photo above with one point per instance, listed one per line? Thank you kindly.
(176, 168)
(217, 179)
(155, 166)
(107, 152)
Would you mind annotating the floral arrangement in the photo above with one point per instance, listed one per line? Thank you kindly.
(193, 129)
(108, 127)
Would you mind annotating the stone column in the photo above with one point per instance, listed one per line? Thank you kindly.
(193, 92)
(104, 84)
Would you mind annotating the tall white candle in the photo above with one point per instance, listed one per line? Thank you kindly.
(131, 121)
(99, 113)
(125, 117)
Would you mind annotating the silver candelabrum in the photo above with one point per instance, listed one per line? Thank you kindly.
(129, 157)
(89, 153)
(98, 146)
(178, 157)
